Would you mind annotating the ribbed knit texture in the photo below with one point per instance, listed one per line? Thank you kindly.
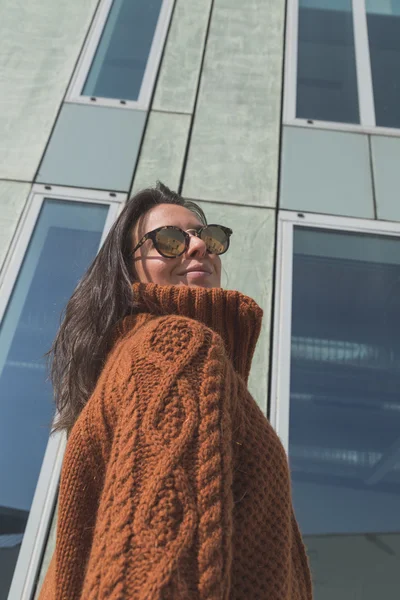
(174, 485)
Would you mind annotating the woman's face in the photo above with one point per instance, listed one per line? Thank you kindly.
(195, 267)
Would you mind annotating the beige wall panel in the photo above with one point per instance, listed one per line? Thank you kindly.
(40, 41)
(13, 196)
(325, 171)
(93, 147)
(163, 150)
(180, 68)
(233, 155)
(248, 267)
(386, 161)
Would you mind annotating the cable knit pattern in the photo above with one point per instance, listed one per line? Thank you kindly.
(174, 485)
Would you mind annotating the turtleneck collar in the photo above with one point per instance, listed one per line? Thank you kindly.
(235, 317)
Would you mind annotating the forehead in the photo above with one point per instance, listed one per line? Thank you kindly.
(168, 214)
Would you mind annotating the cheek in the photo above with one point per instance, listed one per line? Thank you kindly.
(161, 272)
(218, 266)
(154, 269)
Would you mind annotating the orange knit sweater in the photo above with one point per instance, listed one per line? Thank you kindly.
(174, 485)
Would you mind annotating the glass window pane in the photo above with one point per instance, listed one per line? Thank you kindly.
(345, 410)
(326, 67)
(64, 242)
(120, 61)
(383, 18)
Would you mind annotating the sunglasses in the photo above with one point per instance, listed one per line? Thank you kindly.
(171, 241)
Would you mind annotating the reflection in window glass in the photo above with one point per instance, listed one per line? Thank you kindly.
(383, 17)
(345, 410)
(326, 69)
(65, 240)
(120, 61)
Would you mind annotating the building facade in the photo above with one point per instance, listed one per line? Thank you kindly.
(283, 121)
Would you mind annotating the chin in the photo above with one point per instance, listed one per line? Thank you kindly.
(198, 284)
(208, 285)
(196, 280)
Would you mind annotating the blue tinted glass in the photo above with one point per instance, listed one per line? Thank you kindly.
(121, 58)
(384, 44)
(65, 240)
(345, 410)
(326, 69)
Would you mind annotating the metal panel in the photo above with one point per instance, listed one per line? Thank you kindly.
(386, 161)
(40, 43)
(327, 172)
(180, 67)
(12, 200)
(248, 267)
(163, 150)
(93, 148)
(234, 151)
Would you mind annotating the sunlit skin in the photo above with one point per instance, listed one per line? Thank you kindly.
(195, 267)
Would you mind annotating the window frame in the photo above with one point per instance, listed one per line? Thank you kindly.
(74, 93)
(40, 516)
(282, 323)
(366, 103)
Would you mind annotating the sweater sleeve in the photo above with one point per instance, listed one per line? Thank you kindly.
(164, 523)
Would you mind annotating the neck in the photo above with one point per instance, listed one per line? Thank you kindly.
(235, 317)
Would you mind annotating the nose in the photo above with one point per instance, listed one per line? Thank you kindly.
(196, 247)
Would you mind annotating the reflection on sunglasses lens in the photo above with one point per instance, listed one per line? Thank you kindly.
(215, 239)
(171, 242)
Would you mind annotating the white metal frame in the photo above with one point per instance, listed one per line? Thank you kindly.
(366, 104)
(74, 93)
(282, 327)
(35, 536)
(363, 65)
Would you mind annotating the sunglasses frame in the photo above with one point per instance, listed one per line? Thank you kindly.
(151, 235)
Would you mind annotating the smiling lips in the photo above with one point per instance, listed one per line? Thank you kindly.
(199, 269)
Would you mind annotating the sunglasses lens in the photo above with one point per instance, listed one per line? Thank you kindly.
(170, 242)
(215, 239)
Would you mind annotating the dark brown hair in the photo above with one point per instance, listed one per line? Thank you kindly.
(102, 297)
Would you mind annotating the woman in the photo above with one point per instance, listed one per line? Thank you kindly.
(174, 485)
